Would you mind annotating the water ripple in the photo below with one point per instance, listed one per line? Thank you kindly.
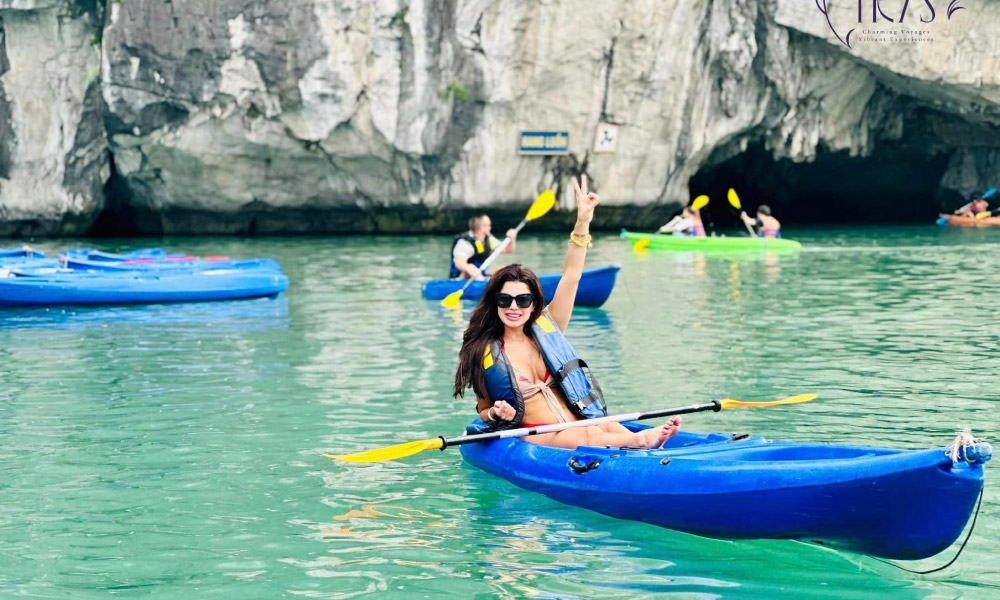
(176, 449)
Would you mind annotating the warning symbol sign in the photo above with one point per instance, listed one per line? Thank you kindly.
(606, 137)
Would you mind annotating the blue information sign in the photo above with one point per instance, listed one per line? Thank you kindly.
(544, 142)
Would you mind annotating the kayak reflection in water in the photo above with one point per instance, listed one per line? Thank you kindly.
(523, 370)
(767, 226)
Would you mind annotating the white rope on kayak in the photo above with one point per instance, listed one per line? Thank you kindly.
(959, 449)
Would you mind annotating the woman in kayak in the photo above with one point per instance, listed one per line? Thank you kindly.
(687, 223)
(520, 366)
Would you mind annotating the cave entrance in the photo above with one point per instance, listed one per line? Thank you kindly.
(893, 185)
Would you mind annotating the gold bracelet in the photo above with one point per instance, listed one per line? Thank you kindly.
(583, 241)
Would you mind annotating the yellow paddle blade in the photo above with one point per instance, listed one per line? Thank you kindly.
(734, 199)
(390, 453)
(793, 400)
(983, 214)
(543, 204)
(451, 300)
(640, 246)
(700, 202)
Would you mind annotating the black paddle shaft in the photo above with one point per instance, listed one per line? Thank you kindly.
(714, 405)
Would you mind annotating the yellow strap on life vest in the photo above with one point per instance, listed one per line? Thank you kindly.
(487, 358)
(546, 325)
(479, 247)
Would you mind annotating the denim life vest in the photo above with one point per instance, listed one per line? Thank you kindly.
(585, 400)
(483, 250)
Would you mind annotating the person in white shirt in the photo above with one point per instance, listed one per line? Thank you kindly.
(687, 223)
(471, 249)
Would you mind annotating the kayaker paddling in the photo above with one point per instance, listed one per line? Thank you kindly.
(471, 249)
(972, 209)
(521, 367)
(767, 226)
(687, 223)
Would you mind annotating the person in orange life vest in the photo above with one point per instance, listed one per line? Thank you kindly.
(767, 226)
(513, 340)
(687, 223)
(471, 249)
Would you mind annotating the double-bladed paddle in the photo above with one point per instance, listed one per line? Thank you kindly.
(440, 443)
(735, 201)
(943, 219)
(542, 204)
(699, 203)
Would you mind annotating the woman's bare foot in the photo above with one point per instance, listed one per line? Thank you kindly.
(657, 436)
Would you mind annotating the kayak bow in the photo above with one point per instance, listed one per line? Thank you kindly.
(900, 504)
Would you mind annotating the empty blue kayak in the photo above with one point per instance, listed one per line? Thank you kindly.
(142, 253)
(11, 263)
(189, 264)
(26, 252)
(130, 287)
(595, 286)
(902, 504)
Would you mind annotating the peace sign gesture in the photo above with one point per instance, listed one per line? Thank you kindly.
(585, 202)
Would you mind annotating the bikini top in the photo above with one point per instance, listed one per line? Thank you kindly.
(530, 391)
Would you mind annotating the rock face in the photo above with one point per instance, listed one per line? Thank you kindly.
(53, 152)
(403, 115)
(301, 116)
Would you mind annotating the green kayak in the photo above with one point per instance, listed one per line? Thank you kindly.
(711, 244)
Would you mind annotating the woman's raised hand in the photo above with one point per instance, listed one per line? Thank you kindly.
(586, 201)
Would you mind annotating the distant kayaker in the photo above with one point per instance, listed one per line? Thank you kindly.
(979, 205)
(471, 249)
(511, 338)
(687, 223)
(767, 226)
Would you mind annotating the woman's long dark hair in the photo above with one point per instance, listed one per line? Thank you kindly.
(485, 327)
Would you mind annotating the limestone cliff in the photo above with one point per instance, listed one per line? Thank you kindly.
(399, 115)
(53, 151)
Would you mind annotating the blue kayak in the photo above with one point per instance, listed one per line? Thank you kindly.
(25, 252)
(83, 287)
(189, 264)
(92, 254)
(901, 504)
(11, 263)
(595, 286)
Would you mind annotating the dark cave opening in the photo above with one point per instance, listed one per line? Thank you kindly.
(896, 184)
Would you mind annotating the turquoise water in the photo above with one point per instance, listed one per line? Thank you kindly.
(175, 451)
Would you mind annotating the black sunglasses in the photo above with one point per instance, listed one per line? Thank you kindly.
(523, 300)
